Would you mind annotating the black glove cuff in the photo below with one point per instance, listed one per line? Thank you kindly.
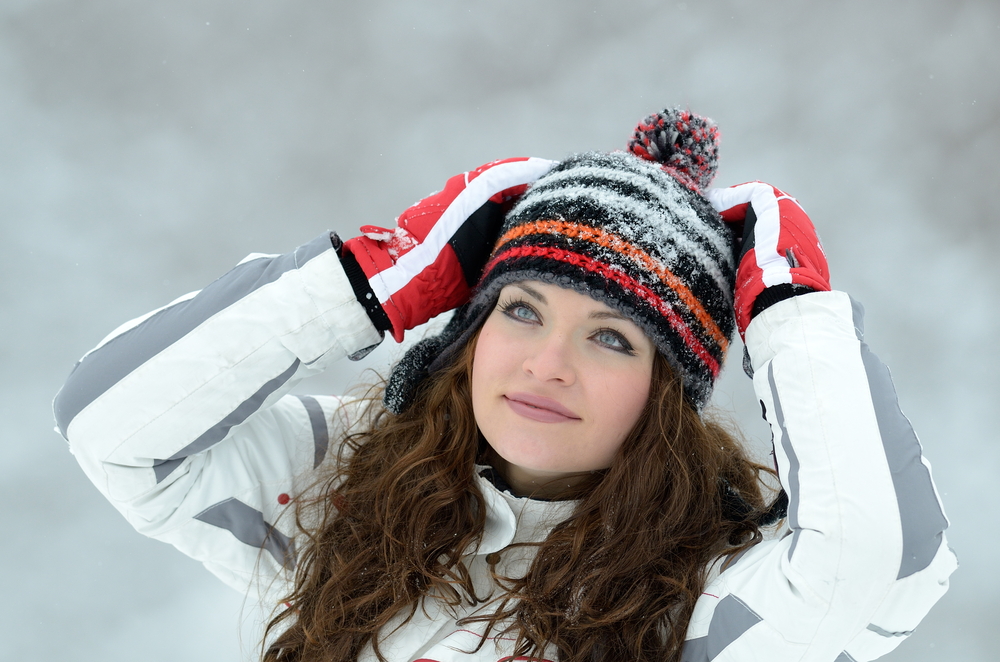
(363, 291)
(774, 294)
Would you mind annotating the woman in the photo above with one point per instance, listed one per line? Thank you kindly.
(540, 482)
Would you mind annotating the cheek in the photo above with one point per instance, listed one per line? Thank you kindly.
(487, 367)
(625, 399)
(477, 381)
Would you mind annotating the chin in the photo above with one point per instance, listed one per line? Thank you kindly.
(532, 455)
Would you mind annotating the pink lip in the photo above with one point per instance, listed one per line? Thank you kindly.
(538, 408)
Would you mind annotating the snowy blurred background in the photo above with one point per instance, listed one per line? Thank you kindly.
(145, 148)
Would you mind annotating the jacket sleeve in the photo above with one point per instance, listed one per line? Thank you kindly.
(181, 418)
(865, 555)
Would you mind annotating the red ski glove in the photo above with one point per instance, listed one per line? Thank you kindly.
(432, 259)
(781, 254)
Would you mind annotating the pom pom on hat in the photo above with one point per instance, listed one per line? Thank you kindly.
(685, 144)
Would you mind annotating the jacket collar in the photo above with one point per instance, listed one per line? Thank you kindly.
(510, 518)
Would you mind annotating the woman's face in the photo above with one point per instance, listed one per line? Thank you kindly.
(558, 381)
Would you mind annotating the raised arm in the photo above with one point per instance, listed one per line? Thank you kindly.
(198, 385)
(181, 417)
(865, 555)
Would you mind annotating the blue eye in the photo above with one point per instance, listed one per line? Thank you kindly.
(613, 340)
(519, 310)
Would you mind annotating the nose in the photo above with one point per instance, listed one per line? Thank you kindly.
(551, 360)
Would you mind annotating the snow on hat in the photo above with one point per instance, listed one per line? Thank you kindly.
(629, 229)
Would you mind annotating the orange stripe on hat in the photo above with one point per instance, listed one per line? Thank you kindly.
(631, 251)
(596, 266)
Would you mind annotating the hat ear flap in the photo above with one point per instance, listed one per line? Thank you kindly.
(409, 372)
(430, 355)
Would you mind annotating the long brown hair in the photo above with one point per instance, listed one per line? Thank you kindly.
(616, 580)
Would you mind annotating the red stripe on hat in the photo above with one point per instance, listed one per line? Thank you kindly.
(630, 251)
(629, 283)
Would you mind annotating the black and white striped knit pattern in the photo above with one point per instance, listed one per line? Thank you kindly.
(630, 229)
(621, 230)
(625, 232)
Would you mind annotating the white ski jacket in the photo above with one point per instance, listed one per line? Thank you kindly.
(182, 419)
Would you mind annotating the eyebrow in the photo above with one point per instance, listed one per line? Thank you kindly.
(608, 315)
(528, 290)
(597, 314)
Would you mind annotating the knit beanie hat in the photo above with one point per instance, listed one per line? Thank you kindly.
(632, 230)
